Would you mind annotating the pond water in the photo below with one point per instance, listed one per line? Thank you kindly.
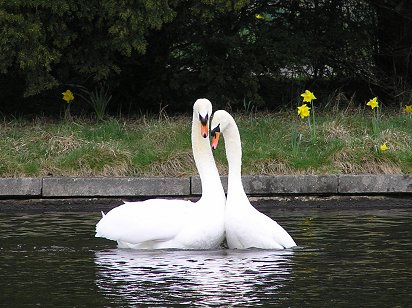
(345, 257)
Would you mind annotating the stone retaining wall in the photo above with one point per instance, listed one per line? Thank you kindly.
(90, 187)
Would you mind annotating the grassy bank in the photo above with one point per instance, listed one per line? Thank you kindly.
(278, 143)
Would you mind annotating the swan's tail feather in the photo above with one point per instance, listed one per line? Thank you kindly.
(98, 226)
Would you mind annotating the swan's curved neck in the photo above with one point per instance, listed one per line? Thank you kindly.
(234, 157)
(205, 163)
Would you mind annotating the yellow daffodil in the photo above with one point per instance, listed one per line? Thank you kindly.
(68, 96)
(258, 16)
(408, 108)
(383, 147)
(308, 96)
(373, 103)
(304, 111)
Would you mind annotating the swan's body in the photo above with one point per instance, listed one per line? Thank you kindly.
(245, 226)
(181, 224)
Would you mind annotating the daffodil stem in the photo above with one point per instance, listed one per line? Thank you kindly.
(310, 125)
(313, 129)
(67, 115)
(375, 122)
(296, 140)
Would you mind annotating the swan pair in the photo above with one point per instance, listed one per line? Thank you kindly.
(162, 223)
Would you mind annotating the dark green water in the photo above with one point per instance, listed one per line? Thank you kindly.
(345, 258)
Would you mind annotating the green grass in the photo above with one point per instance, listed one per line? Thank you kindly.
(273, 143)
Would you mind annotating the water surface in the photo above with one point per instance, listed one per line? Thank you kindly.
(346, 257)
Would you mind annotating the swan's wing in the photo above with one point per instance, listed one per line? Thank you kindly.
(151, 220)
(275, 232)
(251, 228)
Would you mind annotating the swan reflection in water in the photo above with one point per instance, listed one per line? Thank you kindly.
(206, 277)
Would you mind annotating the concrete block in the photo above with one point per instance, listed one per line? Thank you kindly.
(115, 186)
(196, 185)
(272, 185)
(20, 187)
(375, 183)
(287, 184)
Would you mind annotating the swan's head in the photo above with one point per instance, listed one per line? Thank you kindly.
(202, 110)
(220, 121)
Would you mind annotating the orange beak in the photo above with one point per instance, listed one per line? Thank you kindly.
(204, 130)
(215, 140)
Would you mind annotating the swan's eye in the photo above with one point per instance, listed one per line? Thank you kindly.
(203, 120)
(215, 130)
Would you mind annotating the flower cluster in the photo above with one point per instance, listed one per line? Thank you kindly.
(304, 109)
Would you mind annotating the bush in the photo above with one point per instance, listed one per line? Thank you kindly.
(57, 42)
(156, 53)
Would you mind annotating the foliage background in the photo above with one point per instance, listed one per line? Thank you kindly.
(239, 54)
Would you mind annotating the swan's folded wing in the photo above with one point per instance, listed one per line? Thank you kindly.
(151, 220)
(277, 233)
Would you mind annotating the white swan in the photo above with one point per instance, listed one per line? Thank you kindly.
(245, 226)
(181, 224)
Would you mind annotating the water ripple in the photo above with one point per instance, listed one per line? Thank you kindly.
(204, 278)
